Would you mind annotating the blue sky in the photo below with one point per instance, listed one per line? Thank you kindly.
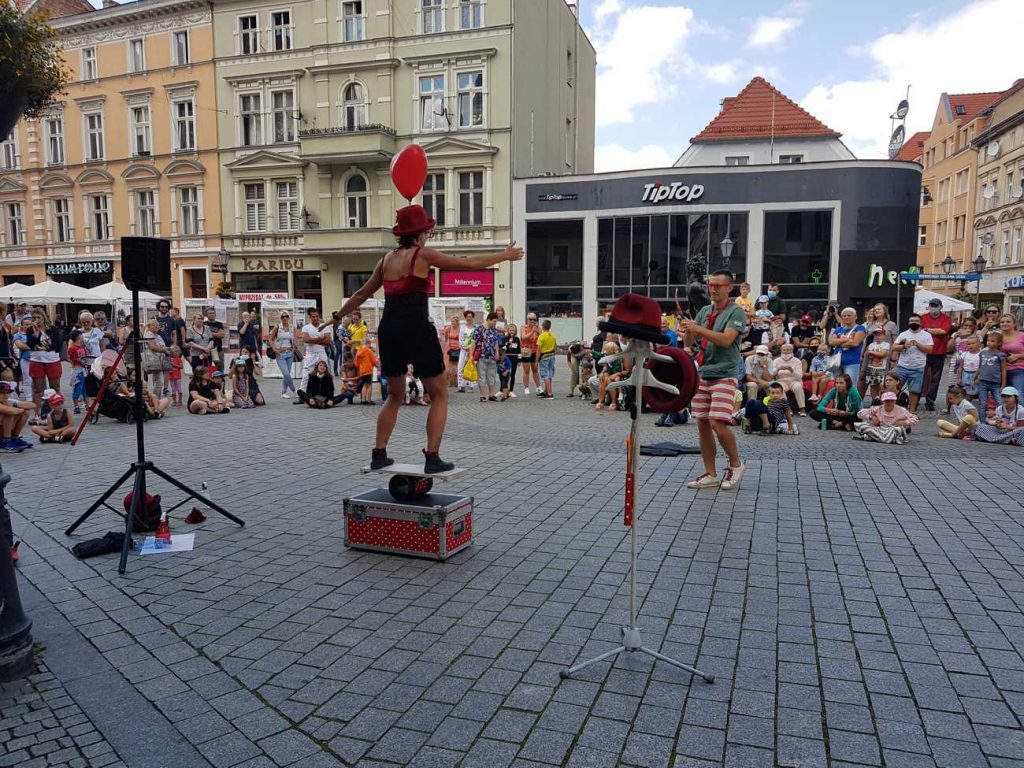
(664, 66)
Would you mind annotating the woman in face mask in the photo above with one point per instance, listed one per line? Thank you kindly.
(789, 372)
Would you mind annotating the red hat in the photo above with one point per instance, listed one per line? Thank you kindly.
(636, 317)
(56, 399)
(412, 220)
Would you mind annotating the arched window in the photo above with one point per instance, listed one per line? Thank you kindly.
(356, 112)
(356, 201)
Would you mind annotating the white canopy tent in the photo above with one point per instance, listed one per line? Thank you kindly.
(115, 291)
(949, 304)
(54, 292)
(8, 290)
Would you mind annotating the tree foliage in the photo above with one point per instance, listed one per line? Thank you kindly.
(32, 71)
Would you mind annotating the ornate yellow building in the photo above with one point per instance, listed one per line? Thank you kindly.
(130, 149)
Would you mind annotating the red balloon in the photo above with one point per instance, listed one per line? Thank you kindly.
(409, 170)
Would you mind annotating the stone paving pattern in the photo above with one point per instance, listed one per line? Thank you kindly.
(860, 605)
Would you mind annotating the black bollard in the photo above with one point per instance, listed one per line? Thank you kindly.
(15, 626)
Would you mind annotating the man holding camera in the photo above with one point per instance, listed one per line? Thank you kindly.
(913, 347)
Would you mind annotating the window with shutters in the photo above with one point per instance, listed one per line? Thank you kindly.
(281, 28)
(99, 209)
(145, 213)
(15, 224)
(356, 108)
(182, 52)
(432, 12)
(471, 14)
(471, 198)
(287, 206)
(140, 131)
(184, 125)
(9, 156)
(62, 232)
(283, 106)
(353, 21)
(356, 201)
(54, 127)
(89, 69)
(255, 207)
(471, 99)
(93, 135)
(433, 197)
(188, 200)
(248, 34)
(252, 119)
(136, 55)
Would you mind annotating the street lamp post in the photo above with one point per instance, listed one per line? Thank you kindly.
(948, 264)
(726, 245)
(979, 268)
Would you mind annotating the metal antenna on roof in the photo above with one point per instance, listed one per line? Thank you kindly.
(771, 143)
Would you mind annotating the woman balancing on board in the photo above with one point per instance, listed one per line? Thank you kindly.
(405, 333)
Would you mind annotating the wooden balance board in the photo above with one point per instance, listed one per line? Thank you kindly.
(409, 481)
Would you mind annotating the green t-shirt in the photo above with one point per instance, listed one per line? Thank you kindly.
(722, 362)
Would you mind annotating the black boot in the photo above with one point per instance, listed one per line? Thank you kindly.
(379, 458)
(434, 464)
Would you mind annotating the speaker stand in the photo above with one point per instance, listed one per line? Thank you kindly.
(141, 465)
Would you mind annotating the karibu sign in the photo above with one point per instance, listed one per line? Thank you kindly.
(677, 191)
(271, 265)
(467, 283)
(80, 268)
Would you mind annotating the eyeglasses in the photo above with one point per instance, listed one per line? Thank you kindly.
(991, 311)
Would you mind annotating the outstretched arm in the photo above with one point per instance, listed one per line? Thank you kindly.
(448, 261)
(358, 298)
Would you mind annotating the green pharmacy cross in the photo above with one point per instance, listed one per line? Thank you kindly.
(816, 275)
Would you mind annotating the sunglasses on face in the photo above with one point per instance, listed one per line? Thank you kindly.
(991, 311)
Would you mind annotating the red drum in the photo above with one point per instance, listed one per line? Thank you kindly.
(681, 373)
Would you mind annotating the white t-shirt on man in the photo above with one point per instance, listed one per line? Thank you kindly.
(314, 352)
(913, 359)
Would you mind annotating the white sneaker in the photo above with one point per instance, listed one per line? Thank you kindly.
(733, 475)
(704, 481)
(511, 393)
(286, 396)
(500, 397)
(526, 390)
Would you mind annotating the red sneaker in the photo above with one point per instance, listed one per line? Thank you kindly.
(14, 552)
(195, 516)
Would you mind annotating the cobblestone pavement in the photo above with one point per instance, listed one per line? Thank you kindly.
(859, 604)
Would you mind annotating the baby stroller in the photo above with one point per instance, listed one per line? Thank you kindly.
(111, 405)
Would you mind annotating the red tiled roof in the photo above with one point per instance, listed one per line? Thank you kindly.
(913, 147)
(748, 115)
(972, 103)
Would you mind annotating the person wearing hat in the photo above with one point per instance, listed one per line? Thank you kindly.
(1006, 424)
(405, 334)
(717, 329)
(938, 324)
(885, 423)
(59, 426)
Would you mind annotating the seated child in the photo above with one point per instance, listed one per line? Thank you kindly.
(963, 414)
(819, 373)
(586, 373)
(885, 423)
(413, 388)
(773, 414)
(59, 426)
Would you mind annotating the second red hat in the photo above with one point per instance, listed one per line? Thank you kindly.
(636, 317)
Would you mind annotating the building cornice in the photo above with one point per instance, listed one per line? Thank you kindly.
(323, 69)
(997, 130)
(277, 74)
(128, 21)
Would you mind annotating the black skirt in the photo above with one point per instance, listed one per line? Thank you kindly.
(406, 337)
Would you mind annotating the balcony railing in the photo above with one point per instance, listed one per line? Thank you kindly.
(269, 241)
(343, 130)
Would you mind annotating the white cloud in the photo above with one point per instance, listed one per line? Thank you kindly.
(637, 61)
(770, 30)
(607, 8)
(860, 109)
(722, 74)
(615, 157)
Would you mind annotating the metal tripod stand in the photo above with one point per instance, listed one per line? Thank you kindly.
(141, 466)
(639, 352)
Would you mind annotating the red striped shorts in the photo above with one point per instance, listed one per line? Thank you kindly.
(714, 399)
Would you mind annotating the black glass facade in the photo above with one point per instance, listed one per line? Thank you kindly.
(554, 269)
(798, 253)
(660, 255)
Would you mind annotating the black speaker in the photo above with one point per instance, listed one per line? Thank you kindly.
(146, 264)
